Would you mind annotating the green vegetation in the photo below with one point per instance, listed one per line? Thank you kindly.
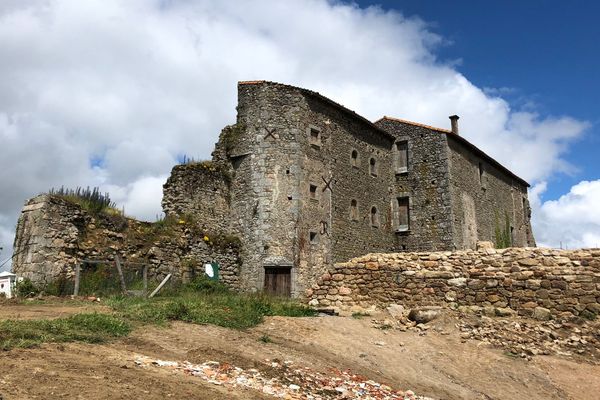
(503, 234)
(231, 136)
(202, 301)
(89, 328)
(590, 316)
(359, 315)
(90, 200)
(26, 288)
(207, 302)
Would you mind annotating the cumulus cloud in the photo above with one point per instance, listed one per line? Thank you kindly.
(111, 93)
(572, 221)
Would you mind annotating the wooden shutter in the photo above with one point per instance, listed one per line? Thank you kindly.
(403, 217)
(401, 157)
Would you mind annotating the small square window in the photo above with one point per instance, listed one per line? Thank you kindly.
(313, 237)
(314, 136)
(313, 192)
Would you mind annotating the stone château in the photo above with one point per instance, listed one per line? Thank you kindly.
(304, 183)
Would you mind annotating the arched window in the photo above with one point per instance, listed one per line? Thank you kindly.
(373, 167)
(354, 210)
(354, 158)
(374, 217)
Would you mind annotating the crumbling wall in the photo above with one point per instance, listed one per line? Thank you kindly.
(199, 190)
(522, 279)
(54, 235)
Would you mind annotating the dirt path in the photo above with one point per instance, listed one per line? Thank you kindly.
(33, 310)
(436, 364)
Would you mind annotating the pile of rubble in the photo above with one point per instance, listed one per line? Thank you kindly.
(518, 336)
(527, 338)
(285, 381)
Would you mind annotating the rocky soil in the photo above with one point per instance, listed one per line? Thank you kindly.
(460, 354)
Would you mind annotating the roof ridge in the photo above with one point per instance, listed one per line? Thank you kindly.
(415, 124)
(327, 100)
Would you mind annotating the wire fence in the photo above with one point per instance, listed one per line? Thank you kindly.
(103, 278)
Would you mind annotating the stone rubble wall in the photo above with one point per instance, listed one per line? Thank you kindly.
(522, 279)
(200, 190)
(54, 235)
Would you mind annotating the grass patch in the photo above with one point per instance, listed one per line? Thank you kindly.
(200, 302)
(89, 328)
(207, 302)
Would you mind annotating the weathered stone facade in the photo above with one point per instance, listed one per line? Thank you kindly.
(54, 235)
(520, 279)
(306, 183)
(302, 183)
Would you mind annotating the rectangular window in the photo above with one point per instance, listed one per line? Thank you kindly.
(373, 167)
(481, 176)
(354, 210)
(402, 215)
(313, 192)
(401, 157)
(314, 136)
(313, 237)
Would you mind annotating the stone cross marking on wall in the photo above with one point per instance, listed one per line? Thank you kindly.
(270, 133)
(328, 184)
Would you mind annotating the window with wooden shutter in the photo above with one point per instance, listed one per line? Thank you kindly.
(401, 157)
(403, 220)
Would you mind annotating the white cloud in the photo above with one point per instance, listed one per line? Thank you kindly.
(110, 92)
(572, 221)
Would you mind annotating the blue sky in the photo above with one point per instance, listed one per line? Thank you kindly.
(545, 54)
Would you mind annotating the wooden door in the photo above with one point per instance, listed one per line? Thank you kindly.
(278, 281)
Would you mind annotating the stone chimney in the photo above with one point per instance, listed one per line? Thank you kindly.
(454, 123)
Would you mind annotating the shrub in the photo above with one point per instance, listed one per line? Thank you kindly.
(91, 200)
(26, 288)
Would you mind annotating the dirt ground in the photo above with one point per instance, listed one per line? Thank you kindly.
(434, 364)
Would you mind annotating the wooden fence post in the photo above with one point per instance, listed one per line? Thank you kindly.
(145, 278)
(121, 277)
(160, 286)
(77, 273)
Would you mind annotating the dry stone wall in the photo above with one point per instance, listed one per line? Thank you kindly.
(54, 235)
(526, 280)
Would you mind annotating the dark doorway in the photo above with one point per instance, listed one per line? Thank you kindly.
(278, 281)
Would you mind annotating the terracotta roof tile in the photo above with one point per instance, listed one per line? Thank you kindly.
(250, 82)
(433, 128)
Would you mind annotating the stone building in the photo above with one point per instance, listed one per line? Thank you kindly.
(304, 182)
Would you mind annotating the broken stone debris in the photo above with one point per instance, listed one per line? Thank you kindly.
(424, 315)
(291, 383)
